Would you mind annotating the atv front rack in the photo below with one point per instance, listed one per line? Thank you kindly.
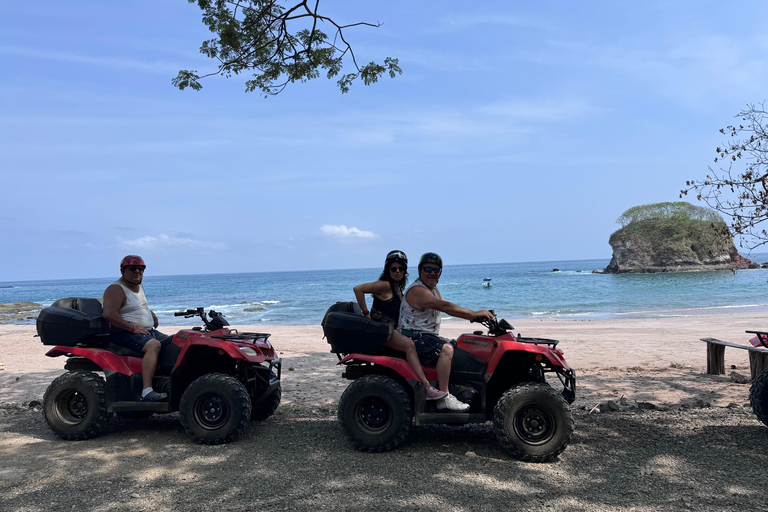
(243, 336)
(538, 341)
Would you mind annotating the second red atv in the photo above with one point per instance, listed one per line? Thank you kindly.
(501, 376)
(216, 378)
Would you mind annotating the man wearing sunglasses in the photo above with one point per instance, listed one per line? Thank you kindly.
(133, 323)
(420, 320)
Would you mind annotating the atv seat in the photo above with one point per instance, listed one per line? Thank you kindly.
(121, 350)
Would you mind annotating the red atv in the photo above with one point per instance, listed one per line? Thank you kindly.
(501, 377)
(216, 378)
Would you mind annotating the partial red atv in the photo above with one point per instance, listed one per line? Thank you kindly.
(216, 378)
(501, 376)
(758, 391)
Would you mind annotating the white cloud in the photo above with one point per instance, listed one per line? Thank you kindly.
(541, 109)
(344, 232)
(163, 240)
(463, 21)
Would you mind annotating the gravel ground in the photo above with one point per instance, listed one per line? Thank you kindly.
(676, 439)
(675, 459)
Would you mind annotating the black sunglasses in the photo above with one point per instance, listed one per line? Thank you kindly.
(134, 268)
(429, 270)
(397, 269)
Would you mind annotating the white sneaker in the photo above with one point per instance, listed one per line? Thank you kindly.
(452, 403)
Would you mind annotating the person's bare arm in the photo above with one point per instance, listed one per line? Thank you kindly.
(421, 298)
(114, 296)
(376, 287)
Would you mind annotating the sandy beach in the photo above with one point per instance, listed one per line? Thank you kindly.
(661, 361)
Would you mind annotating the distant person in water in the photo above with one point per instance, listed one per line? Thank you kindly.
(387, 294)
(133, 323)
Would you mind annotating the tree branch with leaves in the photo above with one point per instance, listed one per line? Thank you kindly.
(280, 45)
(740, 189)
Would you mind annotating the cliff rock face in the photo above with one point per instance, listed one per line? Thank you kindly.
(663, 245)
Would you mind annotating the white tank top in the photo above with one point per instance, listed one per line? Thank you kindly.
(136, 309)
(427, 320)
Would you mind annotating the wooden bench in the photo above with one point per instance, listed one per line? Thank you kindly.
(758, 357)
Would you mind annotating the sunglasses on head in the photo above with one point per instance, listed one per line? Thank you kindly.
(429, 270)
(134, 268)
(396, 269)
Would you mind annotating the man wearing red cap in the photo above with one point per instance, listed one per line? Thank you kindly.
(133, 323)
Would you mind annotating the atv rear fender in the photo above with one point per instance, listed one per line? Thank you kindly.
(399, 366)
(104, 359)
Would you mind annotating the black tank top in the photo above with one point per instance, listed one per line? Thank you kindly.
(390, 309)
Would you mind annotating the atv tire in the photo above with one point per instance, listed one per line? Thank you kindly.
(215, 409)
(533, 422)
(376, 413)
(758, 397)
(75, 405)
(267, 408)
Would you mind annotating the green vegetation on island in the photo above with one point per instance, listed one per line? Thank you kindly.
(672, 237)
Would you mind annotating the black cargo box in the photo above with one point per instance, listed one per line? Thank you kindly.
(73, 321)
(348, 331)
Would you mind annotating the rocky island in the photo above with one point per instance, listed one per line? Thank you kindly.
(672, 237)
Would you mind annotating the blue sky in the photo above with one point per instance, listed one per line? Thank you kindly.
(519, 131)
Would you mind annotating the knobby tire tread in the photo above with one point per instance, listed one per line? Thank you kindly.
(382, 387)
(509, 402)
(227, 386)
(758, 397)
(93, 388)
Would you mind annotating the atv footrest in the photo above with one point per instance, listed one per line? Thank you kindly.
(138, 406)
(430, 418)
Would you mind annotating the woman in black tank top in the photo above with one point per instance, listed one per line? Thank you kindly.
(387, 295)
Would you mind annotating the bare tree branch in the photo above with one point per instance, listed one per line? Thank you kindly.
(740, 193)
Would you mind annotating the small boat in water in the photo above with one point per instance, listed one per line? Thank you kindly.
(487, 282)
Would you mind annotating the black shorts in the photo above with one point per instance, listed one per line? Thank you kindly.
(429, 346)
(136, 341)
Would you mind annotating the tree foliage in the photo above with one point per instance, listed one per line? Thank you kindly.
(670, 239)
(679, 232)
(675, 211)
(279, 45)
(739, 189)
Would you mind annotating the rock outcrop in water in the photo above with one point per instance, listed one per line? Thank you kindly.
(672, 237)
(15, 312)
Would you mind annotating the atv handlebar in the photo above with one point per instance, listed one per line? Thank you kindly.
(217, 319)
(495, 326)
(189, 313)
(482, 319)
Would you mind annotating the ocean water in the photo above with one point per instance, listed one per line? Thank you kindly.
(519, 290)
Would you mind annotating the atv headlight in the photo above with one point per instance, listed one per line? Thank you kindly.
(249, 351)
